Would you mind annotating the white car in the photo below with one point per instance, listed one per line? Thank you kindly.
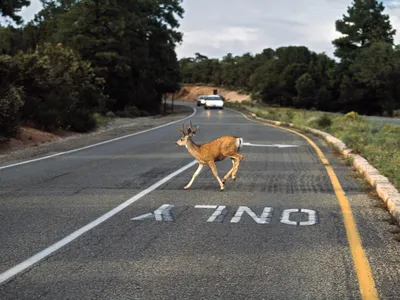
(201, 100)
(213, 101)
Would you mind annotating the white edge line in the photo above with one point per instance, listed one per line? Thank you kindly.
(46, 252)
(98, 144)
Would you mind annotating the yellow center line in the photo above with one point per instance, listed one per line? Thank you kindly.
(364, 273)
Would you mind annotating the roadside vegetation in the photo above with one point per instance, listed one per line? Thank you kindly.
(78, 63)
(378, 143)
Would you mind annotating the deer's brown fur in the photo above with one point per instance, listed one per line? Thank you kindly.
(208, 153)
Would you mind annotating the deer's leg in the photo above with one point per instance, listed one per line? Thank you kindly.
(194, 176)
(214, 171)
(230, 171)
(238, 158)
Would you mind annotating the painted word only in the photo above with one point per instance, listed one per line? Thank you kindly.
(163, 213)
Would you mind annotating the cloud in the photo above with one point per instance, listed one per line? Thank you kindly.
(27, 13)
(215, 28)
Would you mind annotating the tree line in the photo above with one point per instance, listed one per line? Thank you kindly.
(79, 57)
(366, 78)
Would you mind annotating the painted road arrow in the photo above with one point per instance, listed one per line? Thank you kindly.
(163, 213)
(274, 145)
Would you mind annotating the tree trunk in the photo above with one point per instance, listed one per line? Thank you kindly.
(173, 98)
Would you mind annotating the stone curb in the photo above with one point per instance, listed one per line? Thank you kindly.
(385, 190)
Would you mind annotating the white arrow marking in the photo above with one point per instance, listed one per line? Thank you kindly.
(144, 217)
(274, 145)
(163, 213)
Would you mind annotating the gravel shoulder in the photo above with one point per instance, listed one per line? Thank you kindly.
(116, 128)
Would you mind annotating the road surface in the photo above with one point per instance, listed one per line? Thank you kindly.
(111, 222)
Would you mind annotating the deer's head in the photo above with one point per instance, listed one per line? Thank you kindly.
(186, 134)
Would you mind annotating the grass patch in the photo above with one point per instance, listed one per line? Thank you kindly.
(101, 119)
(378, 143)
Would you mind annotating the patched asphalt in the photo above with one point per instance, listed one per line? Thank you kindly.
(190, 258)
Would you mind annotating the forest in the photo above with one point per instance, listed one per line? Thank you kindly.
(77, 58)
(364, 78)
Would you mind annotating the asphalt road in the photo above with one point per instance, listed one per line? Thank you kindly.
(187, 255)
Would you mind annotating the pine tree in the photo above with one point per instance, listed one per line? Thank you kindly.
(364, 25)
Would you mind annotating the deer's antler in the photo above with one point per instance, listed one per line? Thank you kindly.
(182, 129)
(190, 128)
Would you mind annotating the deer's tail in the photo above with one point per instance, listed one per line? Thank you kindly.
(239, 143)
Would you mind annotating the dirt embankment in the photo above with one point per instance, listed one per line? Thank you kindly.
(30, 137)
(190, 93)
(32, 142)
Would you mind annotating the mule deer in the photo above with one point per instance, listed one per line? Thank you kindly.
(208, 153)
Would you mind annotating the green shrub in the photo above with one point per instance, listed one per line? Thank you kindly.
(11, 101)
(132, 111)
(353, 116)
(122, 114)
(289, 115)
(144, 113)
(103, 118)
(391, 128)
(59, 87)
(82, 121)
(247, 102)
(11, 98)
(324, 121)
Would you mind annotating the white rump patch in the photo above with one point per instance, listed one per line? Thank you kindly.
(239, 142)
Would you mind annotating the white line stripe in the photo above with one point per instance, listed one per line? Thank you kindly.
(97, 144)
(46, 252)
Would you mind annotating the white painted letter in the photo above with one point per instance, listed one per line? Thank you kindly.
(219, 213)
(263, 219)
(311, 215)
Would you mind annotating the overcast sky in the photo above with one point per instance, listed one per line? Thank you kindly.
(216, 27)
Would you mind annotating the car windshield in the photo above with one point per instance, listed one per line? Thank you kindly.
(214, 98)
